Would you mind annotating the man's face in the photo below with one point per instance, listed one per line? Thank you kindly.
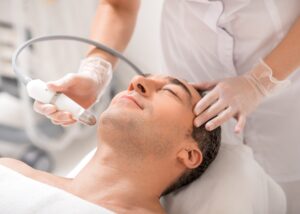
(153, 116)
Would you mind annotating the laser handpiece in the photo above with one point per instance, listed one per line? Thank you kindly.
(38, 90)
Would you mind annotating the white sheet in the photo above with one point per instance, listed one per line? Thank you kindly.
(19, 194)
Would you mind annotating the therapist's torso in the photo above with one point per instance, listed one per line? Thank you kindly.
(207, 40)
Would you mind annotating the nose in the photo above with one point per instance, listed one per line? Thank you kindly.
(143, 86)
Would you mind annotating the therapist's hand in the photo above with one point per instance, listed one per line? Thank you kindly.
(232, 97)
(235, 97)
(83, 87)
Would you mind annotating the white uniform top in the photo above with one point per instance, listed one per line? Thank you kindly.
(208, 40)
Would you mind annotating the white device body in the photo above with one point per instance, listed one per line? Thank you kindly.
(38, 90)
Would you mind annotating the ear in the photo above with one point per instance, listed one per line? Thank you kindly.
(190, 156)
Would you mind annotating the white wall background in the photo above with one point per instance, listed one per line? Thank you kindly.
(44, 17)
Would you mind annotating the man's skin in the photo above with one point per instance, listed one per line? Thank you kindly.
(146, 145)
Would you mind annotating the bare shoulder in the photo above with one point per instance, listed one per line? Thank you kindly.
(17, 166)
(34, 174)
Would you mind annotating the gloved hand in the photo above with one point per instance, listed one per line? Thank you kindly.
(235, 97)
(84, 87)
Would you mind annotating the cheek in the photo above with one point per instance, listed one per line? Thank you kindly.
(172, 118)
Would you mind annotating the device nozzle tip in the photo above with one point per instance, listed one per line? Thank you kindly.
(87, 118)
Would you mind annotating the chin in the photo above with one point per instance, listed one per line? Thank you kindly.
(116, 121)
(121, 132)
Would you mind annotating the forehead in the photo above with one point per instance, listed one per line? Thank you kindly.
(165, 80)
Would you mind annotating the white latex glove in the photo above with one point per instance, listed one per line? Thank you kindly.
(235, 97)
(84, 87)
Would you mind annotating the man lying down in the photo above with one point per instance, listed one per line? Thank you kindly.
(148, 148)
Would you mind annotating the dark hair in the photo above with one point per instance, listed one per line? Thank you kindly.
(209, 144)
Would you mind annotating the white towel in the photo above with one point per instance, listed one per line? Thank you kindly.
(22, 195)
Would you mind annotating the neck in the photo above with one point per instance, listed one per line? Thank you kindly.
(115, 181)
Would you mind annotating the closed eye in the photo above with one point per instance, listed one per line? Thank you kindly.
(172, 92)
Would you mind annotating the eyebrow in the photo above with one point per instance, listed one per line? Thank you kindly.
(179, 83)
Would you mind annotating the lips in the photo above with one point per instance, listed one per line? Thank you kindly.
(133, 100)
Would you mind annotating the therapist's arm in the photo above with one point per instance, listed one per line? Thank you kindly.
(285, 58)
(113, 25)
